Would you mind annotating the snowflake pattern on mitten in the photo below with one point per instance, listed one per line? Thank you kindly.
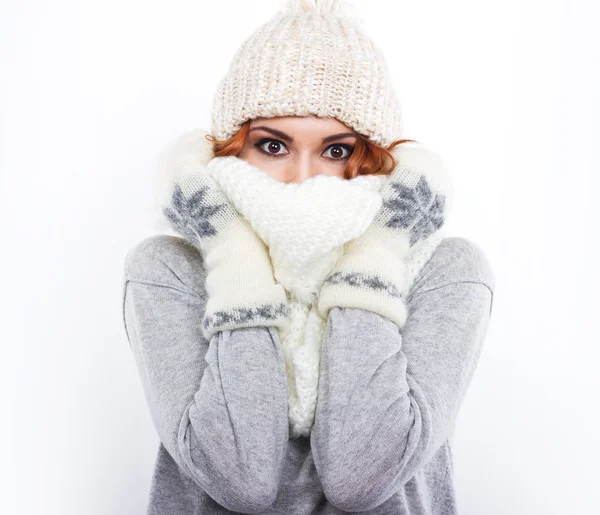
(191, 216)
(418, 209)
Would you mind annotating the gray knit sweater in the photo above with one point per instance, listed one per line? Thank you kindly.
(387, 403)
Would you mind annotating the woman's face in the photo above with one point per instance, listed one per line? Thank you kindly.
(294, 148)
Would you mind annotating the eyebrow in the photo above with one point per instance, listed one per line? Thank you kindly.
(285, 137)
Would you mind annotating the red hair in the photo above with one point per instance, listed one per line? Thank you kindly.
(367, 158)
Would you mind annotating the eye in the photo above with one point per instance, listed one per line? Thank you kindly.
(274, 145)
(339, 154)
(272, 148)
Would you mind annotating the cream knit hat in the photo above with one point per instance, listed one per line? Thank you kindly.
(311, 58)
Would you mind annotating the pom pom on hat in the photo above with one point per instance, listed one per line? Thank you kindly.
(337, 7)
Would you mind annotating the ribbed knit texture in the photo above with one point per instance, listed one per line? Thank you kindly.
(311, 58)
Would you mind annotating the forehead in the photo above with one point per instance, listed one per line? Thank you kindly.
(307, 127)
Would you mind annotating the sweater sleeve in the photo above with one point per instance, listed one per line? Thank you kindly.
(219, 406)
(388, 398)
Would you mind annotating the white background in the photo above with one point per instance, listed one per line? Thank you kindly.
(507, 91)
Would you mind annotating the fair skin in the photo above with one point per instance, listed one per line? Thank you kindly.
(295, 148)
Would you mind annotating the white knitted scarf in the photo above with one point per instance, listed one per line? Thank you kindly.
(304, 226)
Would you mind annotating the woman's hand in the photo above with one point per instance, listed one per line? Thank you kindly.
(240, 286)
(372, 273)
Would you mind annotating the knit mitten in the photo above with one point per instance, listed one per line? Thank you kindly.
(240, 286)
(374, 273)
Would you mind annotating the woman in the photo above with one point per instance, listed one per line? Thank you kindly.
(306, 346)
